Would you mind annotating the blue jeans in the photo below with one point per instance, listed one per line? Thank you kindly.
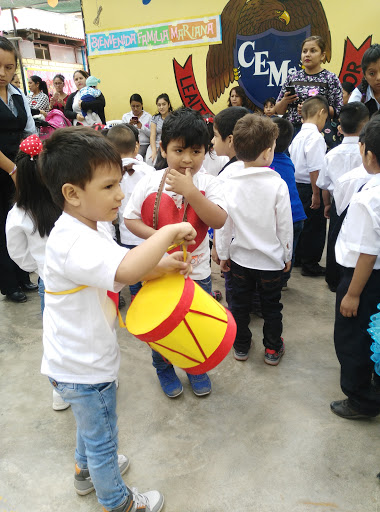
(158, 361)
(133, 288)
(41, 293)
(94, 408)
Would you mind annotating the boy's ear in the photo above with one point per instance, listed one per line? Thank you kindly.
(163, 152)
(339, 128)
(230, 140)
(70, 194)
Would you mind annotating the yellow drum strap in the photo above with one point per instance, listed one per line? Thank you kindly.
(67, 292)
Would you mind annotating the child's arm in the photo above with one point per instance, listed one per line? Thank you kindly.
(316, 196)
(327, 202)
(138, 228)
(284, 222)
(153, 134)
(350, 302)
(7, 165)
(210, 213)
(145, 261)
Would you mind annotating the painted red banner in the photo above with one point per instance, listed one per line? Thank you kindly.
(351, 68)
(187, 87)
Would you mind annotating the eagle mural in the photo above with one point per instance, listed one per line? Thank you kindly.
(267, 29)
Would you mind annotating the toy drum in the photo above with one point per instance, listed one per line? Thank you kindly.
(182, 322)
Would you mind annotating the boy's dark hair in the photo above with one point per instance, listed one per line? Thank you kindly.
(270, 100)
(285, 135)
(372, 137)
(7, 46)
(123, 138)
(353, 116)
(226, 120)
(33, 196)
(185, 124)
(348, 87)
(252, 135)
(71, 155)
(135, 131)
(313, 105)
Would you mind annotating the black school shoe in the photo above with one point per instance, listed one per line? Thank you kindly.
(29, 287)
(313, 270)
(17, 296)
(343, 409)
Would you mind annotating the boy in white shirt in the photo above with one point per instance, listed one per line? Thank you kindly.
(260, 216)
(123, 137)
(177, 192)
(82, 171)
(307, 152)
(358, 294)
(338, 161)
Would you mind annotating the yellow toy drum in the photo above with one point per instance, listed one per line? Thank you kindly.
(182, 322)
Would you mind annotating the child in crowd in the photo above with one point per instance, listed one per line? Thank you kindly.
(338, 161)
(368, 91)
(89, 93)
(212, 163)
(285, 168)
(224, 124)
(270, 107)
(180, 192)
(347, 90)
(260, 223)
(82, 171)
(30, 221)
(357, 250)
(123, 138)
(307, 152)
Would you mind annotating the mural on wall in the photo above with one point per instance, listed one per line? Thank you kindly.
(261, 44)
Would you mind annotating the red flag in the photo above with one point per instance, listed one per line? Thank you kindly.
(351, 67)
(187, 87)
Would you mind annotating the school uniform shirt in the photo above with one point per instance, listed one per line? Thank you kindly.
(347, 185)
(212, 189)
(338, 161)
(144, 131)
(357, 96)
(259, 220)
(128, 183)
(25, 245)
(12, 90)
(360, 231)
(213, 163)
(79, 336)
(307, 152)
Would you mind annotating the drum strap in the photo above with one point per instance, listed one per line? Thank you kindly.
(157, 202)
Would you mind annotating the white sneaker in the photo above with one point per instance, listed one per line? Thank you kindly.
(58, 403)
(153, 501)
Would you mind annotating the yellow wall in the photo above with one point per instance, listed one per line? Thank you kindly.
(151, 73)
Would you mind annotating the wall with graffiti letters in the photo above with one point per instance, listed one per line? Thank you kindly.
(196, 51)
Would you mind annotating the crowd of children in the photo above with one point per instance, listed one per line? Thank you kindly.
(268, 211)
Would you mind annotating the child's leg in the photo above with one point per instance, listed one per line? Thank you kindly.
(333, 269)
(270, 284)
(243, 284)
(312, 240)
(94, 408)
(352, 345)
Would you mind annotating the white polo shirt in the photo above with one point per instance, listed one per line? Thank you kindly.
(259, 221)
(338, 161)
(347, 185)
(307, 152)
(357, 96)
(360, 232)
(79, 336)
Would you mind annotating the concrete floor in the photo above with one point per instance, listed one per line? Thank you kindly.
(263, 441)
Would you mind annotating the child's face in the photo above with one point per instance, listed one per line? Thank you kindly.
(369, 161)
(181, 158)
(221, 146)
(346, 97)
(372, 75)
(101, 197)
(269, 109)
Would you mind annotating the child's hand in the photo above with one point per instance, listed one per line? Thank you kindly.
(183, 231)
(299, 109)
(327, 211)
(349, 305)
(179, 183)
(288, 265)
(315, 201)
(225, 265)
(174, 263)
(214, 255)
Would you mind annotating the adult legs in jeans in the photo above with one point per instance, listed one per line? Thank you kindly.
(297, 230)
(352, 345)
(94, 408)
(158, 361)
(312, 239)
